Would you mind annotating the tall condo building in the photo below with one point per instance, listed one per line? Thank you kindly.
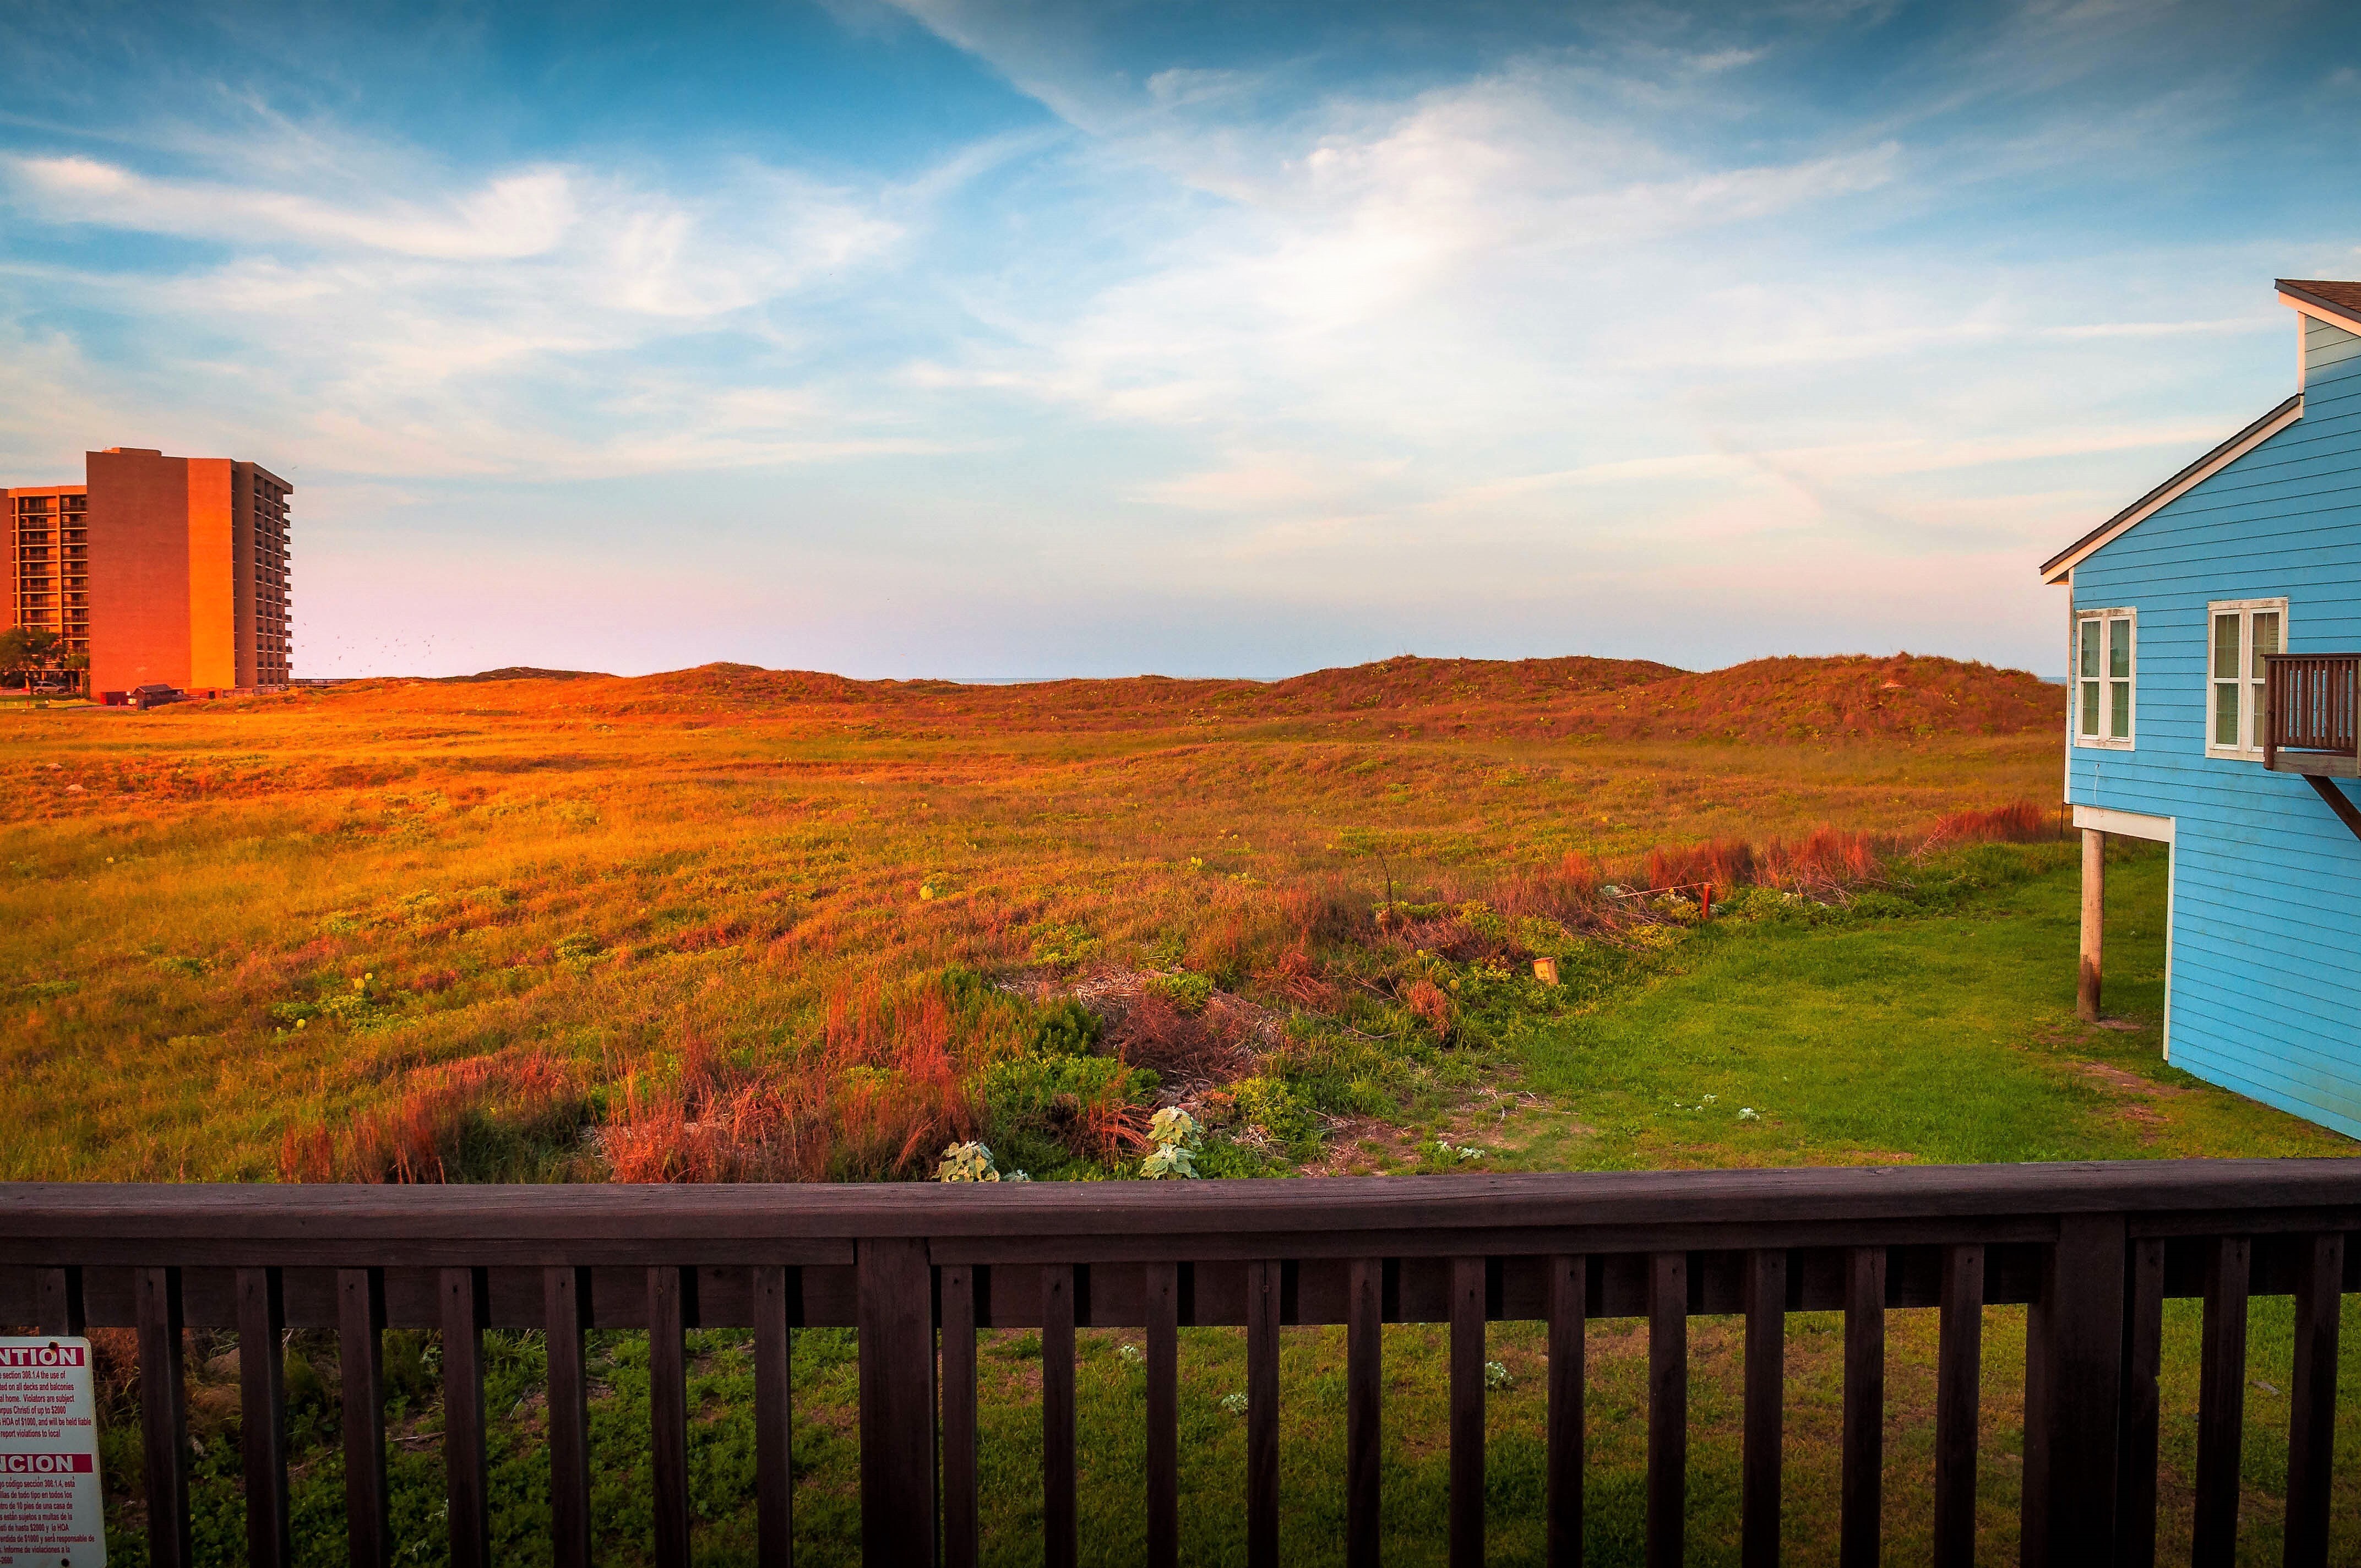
(158, 570)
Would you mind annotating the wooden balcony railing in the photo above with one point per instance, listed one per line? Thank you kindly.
(2309, 718)
(2095, 1249)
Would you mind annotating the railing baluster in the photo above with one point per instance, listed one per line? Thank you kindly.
(1766, 1418)
(2221, 1404)
(893, 1286)
(566, 1313)
(1959, 1404)
(164, 1417)
(1262, 1415)
(774, 1414)
(1668, 1409)
(1863, 1487)
(466, 1475)
(1466, 1509)
(2143, 1358)
(1569, 1290)
(1163, 1303)
(61, 1308)
(1363, 1397)
(360, 1361)
(960, 1542)
(262, 1417)
(668, 1412)
(2312, 1420)
(1060, 1528)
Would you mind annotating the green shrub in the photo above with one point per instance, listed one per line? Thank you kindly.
(1876, 906)
(1065, 1028)
(1270, 1104)
(1027, 1090)
(1187, 992)
(1061, 946)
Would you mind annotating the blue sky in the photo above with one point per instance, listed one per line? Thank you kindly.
(977, 339)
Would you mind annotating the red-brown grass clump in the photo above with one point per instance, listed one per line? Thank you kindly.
(456, 1123)
(2020, 822)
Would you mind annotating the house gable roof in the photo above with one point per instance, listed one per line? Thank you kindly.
(2054, 570)
(2323, 297)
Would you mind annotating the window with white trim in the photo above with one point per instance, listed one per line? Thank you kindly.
(2105, 658)
(2238, 633)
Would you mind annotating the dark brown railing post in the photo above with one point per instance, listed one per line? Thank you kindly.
(2221, 1404)
(1569, 1302)
(668, 1313)
(1862, 1503)
(164, 1416)
(262, 1417)
(1262, 1414)
(1364, 1396)
(2073, 1383)
(1163, 1326)
(565, 1312)
(60, 1307)
(467, 1469)
(1467, 1507)
(1765, 1413)
(1668, 1409)
(2312, 1420)
(1958, 1400)
(1061, 1522)
(360, 1359)
(2143, 1405)
(956, 1384)
(775, 1413)
(894, 1291)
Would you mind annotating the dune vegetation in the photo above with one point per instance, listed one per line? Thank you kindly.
(736, 922)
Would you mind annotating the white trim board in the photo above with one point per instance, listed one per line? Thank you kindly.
(2130, 824)
(2322, 310)
(2158, 829)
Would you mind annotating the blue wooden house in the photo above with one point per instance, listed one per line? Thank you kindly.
(2210, 659)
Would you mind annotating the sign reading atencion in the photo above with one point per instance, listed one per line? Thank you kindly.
(49, 1508)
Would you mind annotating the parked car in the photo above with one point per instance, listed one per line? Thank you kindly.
(155, 695)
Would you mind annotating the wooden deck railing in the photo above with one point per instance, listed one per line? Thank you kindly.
(2095, 1249)
(2309, 708)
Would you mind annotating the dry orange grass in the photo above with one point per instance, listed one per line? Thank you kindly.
(719, 901)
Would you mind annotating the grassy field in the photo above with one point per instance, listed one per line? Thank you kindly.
(494, 914)
(730, 924)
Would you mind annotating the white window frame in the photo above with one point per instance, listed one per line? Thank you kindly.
(2107, 619)
(2250, 701)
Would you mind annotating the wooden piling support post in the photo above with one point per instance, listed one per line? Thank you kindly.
(2095, 922)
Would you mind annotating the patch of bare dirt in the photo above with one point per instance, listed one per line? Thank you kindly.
(1189, 1052)
(1363, 1145)
(2122, 1080)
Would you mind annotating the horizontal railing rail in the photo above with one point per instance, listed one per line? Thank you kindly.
(2093, 1251)
(2309, 704)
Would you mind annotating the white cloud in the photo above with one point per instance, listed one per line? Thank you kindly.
(492, 327)
(527, 213)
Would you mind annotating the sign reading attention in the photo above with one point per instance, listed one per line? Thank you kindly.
(51, 1512)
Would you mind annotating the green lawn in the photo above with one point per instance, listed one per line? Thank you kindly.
(1942, 1036)
(1944, 1039)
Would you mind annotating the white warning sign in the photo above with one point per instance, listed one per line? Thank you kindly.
(51, 1512)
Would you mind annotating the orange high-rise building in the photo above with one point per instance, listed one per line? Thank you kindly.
(158, 570)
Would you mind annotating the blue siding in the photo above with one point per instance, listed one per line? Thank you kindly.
(2267, 883)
